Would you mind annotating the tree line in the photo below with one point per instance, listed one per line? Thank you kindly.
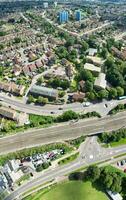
(113, 136)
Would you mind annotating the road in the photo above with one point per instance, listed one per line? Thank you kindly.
(61, 132)
(47, 109)
(90, 156)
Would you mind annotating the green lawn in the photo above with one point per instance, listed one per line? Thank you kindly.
(68, 159)
(74, 190)
(120, 142)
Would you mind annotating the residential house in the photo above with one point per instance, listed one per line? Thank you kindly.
(17, 70)
(8, 113)
(38, 63)
(26, 70)
(92, 52)
(119, 54)
(32, 56)
(78, 96)
(32, 67)
(21, 118)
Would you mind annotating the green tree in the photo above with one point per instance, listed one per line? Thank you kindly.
(61, 93)
(108, 180)
(91, 96)
(103, 94)
(66, 116)
(62, 52)
(85, 75)
(42, 100)
(93, 173)
(115, 77)
(40, 80)
(85, 46)
(88, 86)
(17, 40)
(104, 53)
(70, 41)
(116, 185)
(120, 91)
(109, 62)
(1, 71)
(31, 99)
(112, 93)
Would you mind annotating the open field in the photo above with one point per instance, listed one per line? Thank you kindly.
(70, 191)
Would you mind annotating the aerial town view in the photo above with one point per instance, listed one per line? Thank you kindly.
(63, 100)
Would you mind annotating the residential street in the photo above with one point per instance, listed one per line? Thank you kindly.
(47, 109)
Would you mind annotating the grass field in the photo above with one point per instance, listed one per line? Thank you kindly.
(74, 190)
(119, 143)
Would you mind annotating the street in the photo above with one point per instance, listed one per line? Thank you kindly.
(47, 109)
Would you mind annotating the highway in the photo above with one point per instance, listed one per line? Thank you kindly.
(61, 132)
(91, 156)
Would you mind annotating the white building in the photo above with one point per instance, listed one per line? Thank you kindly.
(92, 68)
(100, 81)
(95, 60)
(45, 4)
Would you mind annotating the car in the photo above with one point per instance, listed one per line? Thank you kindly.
(106, 105)
(52, 112)
(60, 108)
(86, 104)
(123, 162)
(118, 163)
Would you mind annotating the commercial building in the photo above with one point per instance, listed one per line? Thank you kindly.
(63, 16)
(78, 15)
(44, 91)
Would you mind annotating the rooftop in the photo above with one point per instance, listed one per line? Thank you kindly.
(92, 67)
(100, 81)
(44, 91)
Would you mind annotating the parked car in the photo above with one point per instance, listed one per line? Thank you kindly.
(118, 163)
(86, 104)
(123, 162)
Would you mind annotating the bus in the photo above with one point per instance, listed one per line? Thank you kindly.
(122, 97)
